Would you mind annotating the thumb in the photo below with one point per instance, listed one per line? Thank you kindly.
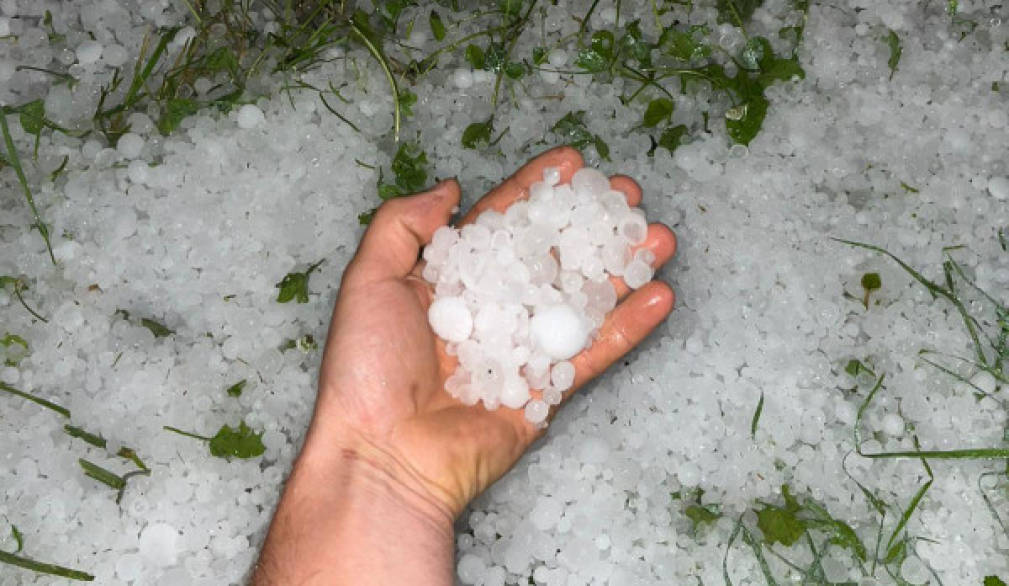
(401, 226)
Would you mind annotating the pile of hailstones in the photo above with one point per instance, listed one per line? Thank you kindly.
(520, 293)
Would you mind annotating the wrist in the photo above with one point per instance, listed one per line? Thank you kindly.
(349, 511)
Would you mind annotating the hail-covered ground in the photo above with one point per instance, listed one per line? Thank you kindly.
(168, 250)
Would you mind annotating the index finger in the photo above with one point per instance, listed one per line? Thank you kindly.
(566, 159)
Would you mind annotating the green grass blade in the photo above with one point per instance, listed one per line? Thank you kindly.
(861, 413)
(44, 568)
(106, 477)
(186, 433)
(38, 400)
(906, 515)
(141, 77)
(756, 416)
(90, 438)
(377, 54)
(15, 162)
(964, 454)
(765, 569)
(988, 503)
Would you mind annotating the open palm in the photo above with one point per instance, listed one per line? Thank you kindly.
(384, 370)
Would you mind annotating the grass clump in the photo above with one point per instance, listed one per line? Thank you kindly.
(19, 561)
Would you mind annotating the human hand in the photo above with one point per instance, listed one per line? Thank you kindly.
(383, 372)
(391, 458)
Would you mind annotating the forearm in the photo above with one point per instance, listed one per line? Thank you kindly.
(347, 517)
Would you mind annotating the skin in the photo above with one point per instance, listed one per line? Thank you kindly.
(390, 458)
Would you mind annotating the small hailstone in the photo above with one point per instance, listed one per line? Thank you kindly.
(998, 187)
(637, 273)
(450, 318)
(462, 78)
(559, 331)
(562, 375)
(471, 569)
(89, 52)
(536, 411)
(551, 176)
(250, 116)
(159, 544)
(984, 381)
(893, 424)
(130, 145)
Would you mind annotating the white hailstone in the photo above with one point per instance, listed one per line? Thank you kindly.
(89, 52)
(536, 411)
(998, 187)
(450, 319)
(250, 116)
(637, 273)
(159, 544)
(559, 331)
(562, 375)
(557, 57)
(115, 55)
(984, 381)
(914, 571)
(462, 78)
(514, 392)
(130, 145)
(893, 424)
(471, 569)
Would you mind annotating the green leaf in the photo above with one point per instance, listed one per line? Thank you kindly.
(601, 147)
(871, 281)
(685, 45)
(908, 188)
(32, 117)
(385, 191)
(590, 61)
(634, 44)
(756, 52)
(175, 111)
(511, 8)
(658, 110)
(235, 390)
(993, 581)
(539, 55)
(854, 367)
(295, 285)
(475, 57)
(896, 553)
(515, 70)
(671, 138)
(743, 122)
(406, 101)
(737, 12)
(18, 538)
(409, 167)
(477, 134)
(893, 41)
(778, 69)
(700, 515)
(14, 356)
(496, 57)
(437, 26)
(158, 329)
(780, 524)
(240, 443)
(365, 218)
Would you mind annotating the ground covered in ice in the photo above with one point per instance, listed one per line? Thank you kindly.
(724, 451)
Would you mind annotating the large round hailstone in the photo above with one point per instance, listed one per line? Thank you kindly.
(558, 331)
(159, 544)
(450, 319)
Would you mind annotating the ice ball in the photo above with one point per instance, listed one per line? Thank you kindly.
(559, 331)
(450, 319)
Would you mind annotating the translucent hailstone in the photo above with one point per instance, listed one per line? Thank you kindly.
(159, 544)
(998, 187)
(250, 116)
(130, 145)
(892, 424)
(89, 52)
(517, 294)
